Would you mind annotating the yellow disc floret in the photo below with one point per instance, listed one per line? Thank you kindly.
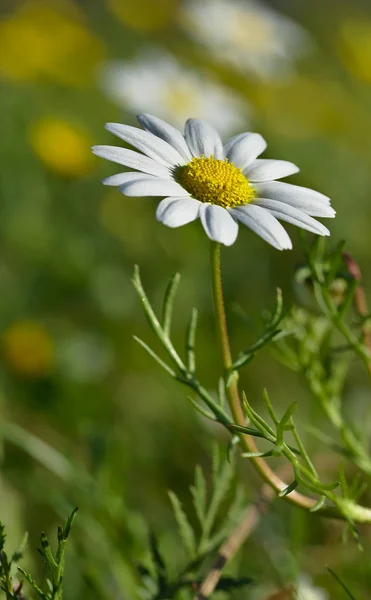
(216, 181)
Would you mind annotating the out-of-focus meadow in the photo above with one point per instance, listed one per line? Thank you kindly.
(87, 419)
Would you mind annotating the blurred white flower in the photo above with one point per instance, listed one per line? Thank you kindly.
(157, 83)
(85, 357)
(305, 590)
(248, 35)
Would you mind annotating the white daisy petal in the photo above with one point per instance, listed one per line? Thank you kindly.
(218, 224)
(307, 200)
(132, 159)
(121, 178)
(244, 150)
(214, 181)
(146, 142)
(231, 142)
(264, 224)
(265, 169)
(153, 187)
(284, 212)
(202, 139)
(175, 212)
(166, 132)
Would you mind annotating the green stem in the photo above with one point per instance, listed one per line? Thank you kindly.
(359, 513)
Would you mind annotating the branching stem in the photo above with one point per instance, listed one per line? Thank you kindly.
(359, 513)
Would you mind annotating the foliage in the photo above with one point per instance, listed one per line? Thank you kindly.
(54, 565)
(217, 511)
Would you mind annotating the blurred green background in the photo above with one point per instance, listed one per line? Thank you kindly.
(86, 418)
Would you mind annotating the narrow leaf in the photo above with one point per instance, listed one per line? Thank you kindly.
(222, 479)
(221, 392)
(199, 494)
(348, 298)
(205, 413)
(190, 341)
(318, 505)
(155, 357)
(32, 583)
(257, 454)
(185, 529)
(290, 488)
(169, 298)
(341, 583)
(335, 260)
(231, 446)
(68, 524)
(158, 561)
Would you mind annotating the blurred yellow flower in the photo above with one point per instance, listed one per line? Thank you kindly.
(48, 39)
(28, 349)
(62, 147)
(355, 47)
(144, 15)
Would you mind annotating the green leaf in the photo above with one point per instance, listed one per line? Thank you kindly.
(48, 557)
(167, 311)
(191, 340)
(159, 563)
(341, 583)
(20, 551)
(65, 532)
(2, 536)
(318, 505)
(234, 516)
(205, 413)
(234, 441)
(33, 583)
(335, 260)
(221, 392)
(268, 334)
(185, 529)
(348, 298)
(222, 478)
(155, 357)
(290, 488)
(257, 454)
(199, 494)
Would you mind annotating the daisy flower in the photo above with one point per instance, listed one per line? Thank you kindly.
(156, 81)
(248, 35)
(305, 590)
(222, 185)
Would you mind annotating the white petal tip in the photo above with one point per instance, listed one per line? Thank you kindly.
(110, 126)
(287, 246)
(229, 243)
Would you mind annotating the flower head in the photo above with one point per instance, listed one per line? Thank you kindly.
(28, 349)
(305, 590)
(48, 40)
(156, 80)
(61, 146)
(223, 185)
(248, 35)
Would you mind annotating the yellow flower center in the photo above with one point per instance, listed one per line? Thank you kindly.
(216, 181)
